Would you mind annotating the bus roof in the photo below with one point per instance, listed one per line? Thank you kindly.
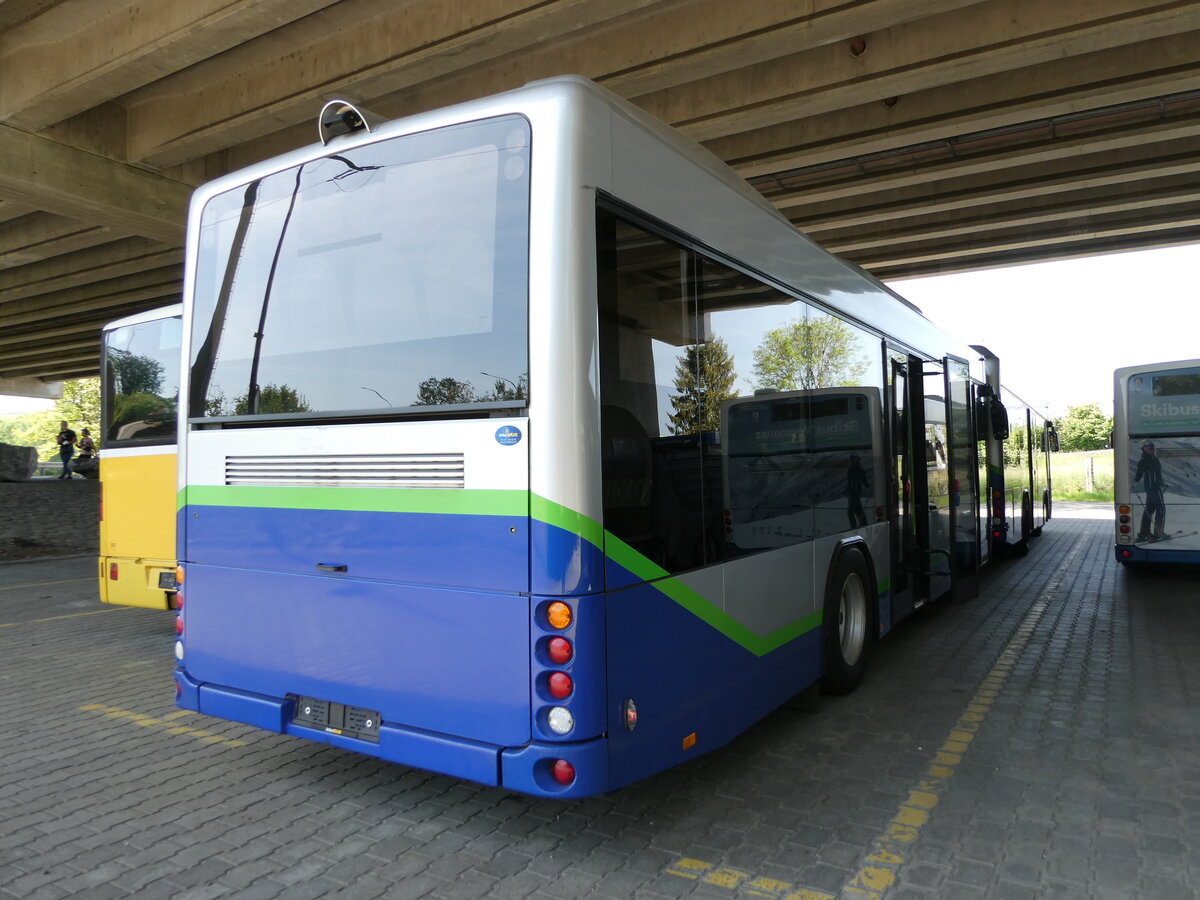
(150, 315)
(628, 154)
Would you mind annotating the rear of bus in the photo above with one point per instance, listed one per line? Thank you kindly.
(1156, 462)
(139, 389)
(364, 564)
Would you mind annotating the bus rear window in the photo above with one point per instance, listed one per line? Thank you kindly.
(141, 383)
(387, 276)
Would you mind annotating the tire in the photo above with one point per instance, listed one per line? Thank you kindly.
(848, 622)
(1026, 516)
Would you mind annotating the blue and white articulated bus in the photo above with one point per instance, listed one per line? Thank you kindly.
(526, 443)
(1156, 462)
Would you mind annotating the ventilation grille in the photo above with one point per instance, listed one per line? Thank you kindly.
(398, 470)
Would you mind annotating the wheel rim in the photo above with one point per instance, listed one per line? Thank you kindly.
(852, 619)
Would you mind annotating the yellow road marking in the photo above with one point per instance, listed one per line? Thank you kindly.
(17, 587)
(94, 612)
(735, 879)
(880, 867)
(145, 721)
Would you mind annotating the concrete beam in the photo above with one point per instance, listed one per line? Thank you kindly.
(1140, 163)
(67, 371)
(1061, 87)
(10, 211)
(41, 236)
(1123, 243)
(970, 252)
(40, 351)
(83, 323)
(69, 182)
(31, 387)
(1109, 202)
(980, 41)
(216, 104)
(117, 259)
(14, 12)
(69, 362)
(661, 48)
(94, 296)
(101, 49)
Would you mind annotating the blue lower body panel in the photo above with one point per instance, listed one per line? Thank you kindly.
(694, 688)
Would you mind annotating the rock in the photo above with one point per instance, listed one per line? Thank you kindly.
(88, 468)
(17, 463)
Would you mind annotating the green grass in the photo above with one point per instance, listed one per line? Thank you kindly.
(1068, 471)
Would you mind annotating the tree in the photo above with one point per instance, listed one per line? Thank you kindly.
(808, 354)
(273, 398)
(1014, 446)
(80, 404)
(1084, 427)
(704, 376)
(134, 373)
(503, 389)
(444, 392)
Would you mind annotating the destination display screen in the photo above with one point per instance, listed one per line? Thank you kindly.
(1165, 402)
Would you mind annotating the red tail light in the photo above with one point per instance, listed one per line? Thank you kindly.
(563, 771)
(560, 685)
(559, 650)
(112, 571)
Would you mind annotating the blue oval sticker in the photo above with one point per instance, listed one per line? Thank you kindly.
(507, 435)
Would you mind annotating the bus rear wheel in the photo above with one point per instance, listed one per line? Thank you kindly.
(847, 623)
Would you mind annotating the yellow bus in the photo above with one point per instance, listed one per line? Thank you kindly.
(140, 391)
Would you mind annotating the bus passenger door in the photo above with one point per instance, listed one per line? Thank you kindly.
(933, 493)
(899, 513)
(964, 489)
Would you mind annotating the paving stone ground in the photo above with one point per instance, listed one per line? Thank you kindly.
(1081, 778)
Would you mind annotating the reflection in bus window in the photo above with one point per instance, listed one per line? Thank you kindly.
(141, 381)
(686, 342)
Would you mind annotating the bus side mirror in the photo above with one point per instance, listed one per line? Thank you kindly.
(999, 416)
(991, 418)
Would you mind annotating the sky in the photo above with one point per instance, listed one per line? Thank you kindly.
(1059, 328)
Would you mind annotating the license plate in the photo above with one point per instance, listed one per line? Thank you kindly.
(336, 718)
(166, 581)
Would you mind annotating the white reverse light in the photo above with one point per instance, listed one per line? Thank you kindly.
(560, 720)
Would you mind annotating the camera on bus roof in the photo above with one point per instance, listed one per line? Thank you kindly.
(340, 117)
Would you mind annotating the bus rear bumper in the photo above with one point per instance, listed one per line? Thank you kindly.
(1131, 554)
(129, 581)
(526, 769)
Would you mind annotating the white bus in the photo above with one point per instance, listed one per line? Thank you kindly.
(520, 445)
(1156, 462)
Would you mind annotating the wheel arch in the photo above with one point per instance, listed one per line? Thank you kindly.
(856, 542)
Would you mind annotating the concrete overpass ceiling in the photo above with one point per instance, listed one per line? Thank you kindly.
(910, 137)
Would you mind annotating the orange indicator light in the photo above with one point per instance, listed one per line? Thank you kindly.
(559, 614)
(690, 741)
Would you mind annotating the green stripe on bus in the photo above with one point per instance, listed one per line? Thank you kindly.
(570, 521)
(701, 607)
(411, 500)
